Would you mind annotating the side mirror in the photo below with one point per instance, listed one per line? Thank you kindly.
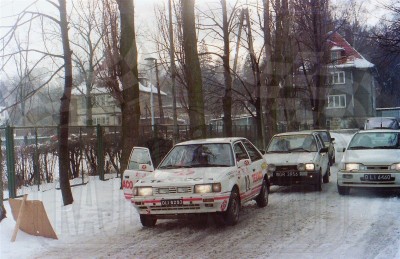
(243, 162)
(332, 139)
(146, 167)
(344, 149)
(324, 150)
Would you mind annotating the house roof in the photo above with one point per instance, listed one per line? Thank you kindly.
(351, 57)
(81, 89)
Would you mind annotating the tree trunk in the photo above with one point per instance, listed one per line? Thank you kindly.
(130, 108)
(193, 72)
(64, 109)
(227, 99)
(270, 83)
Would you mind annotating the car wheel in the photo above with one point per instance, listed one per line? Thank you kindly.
(343, 190)
(326, 176)
(262, 198)
(318, 185)
(148, 221)
(231, 215)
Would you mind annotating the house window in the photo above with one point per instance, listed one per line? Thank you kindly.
(335, 56)
(337, 101)
(338, 78)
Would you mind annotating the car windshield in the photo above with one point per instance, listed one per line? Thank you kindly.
(381, 123)
(375, 140)
(199, 155)
(292, 143)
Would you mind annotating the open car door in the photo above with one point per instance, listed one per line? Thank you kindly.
(139, 166)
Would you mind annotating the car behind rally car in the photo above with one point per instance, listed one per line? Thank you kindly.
(203, 176)
(371, 159)
(298, 158)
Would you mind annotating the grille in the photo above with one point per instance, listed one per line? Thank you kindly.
(286, 168)
(174, 190)
(377, 167)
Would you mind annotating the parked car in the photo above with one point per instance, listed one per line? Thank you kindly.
(199, 177)
(372, 159)
(298, 158)
(329, 142)
(381, 123)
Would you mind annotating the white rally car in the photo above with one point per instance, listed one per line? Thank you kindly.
(203, 176)
(139, 166)
(371, 160)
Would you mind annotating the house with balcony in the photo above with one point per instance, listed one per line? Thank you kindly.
(351, 95)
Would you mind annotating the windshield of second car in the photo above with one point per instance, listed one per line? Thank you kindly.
(375, 140)
(292, 143)
(199, 155)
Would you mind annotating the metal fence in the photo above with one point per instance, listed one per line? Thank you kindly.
(30, 154)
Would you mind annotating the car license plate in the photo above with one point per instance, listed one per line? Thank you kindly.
(377, 177)
(287, 174)
(175, 202)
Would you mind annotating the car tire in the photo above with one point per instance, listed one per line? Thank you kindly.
(342, 190)
(325, 179)
(148, 221)
(231, 215)
(318, 185)
(262, 198)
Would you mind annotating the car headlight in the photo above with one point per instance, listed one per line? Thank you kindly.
(395, 167)
(142, 191)
(271, 168)
(207, 188)
(353, 167)
(310, 167)
(301, 167)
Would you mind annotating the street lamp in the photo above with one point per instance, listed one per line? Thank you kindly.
(160, 109)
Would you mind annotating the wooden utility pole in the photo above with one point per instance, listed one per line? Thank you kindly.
(173, 72)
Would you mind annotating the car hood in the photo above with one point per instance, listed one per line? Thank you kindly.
(372, 156)
(190, 176)
(290, 158)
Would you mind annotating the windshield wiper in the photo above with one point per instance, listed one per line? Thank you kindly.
(386, 147)
(299, 149)
(359, 147)
(278, 151)
(174, 166)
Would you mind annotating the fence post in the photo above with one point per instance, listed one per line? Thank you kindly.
(100, 152)
(36, 161)
(10, 162)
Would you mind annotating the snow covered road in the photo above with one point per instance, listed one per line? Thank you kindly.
(297, 223)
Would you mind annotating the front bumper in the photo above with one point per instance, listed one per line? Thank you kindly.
(370, 179)
(181, 205)
(294, 177)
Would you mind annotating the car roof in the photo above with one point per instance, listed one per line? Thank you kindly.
(304, 132)
(380, 131)
(210, 141)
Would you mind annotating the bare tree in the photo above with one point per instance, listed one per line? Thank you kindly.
(86, 41)
(61, 22)
(313, 23)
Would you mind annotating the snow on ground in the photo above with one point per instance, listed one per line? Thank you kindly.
(297, 223)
